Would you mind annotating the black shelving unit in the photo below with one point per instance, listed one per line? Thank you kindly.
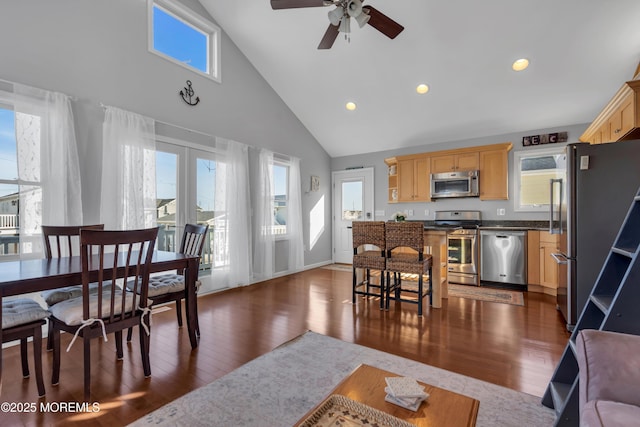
(612, 306)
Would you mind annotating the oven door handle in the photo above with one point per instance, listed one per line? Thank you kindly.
(560, 258)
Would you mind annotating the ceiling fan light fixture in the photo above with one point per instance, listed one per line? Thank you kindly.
(336, 15)
(362, 19)
(354, 8)
(345, 25)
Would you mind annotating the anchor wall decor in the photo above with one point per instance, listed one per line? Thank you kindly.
(187, 95)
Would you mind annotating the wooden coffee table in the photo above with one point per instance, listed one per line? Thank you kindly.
(443, 408)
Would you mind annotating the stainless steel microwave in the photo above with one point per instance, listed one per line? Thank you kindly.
(454, 184)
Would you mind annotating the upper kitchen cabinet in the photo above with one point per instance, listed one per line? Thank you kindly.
(620, 118)
(413, 178)
(467, 161)
(494, 173)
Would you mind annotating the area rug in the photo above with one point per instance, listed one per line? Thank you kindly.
(280, 387)
(486, 294)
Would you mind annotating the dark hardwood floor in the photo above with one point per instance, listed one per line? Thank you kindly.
(512, 346)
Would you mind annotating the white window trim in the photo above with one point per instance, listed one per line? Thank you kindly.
(192, 19)
(517, 173)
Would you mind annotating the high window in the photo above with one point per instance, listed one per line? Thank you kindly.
(183, 37)
(533, 172)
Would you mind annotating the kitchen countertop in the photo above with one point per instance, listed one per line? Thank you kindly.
(500, 225)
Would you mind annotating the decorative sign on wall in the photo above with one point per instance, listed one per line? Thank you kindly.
(548, 138)
(315, 183)
(187, 94)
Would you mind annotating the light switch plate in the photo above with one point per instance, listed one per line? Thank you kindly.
(584, 163)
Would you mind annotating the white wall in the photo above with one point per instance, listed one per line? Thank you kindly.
(96, 51)
(488, 208)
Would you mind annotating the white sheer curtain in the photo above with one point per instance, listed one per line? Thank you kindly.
(128, 198)
(263, 238)
(48, 165)
(232, 225)
(294, 218)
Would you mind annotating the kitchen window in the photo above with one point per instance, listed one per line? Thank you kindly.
(533, 170)
(183, 37)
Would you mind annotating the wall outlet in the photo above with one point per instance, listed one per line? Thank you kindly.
(410, 212)
(501, 211)
(426, 213)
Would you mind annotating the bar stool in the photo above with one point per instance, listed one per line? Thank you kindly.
(368, 233)
(407, 235)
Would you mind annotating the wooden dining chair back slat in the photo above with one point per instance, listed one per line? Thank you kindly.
(108, 258)
(410, 235)
(366, 234)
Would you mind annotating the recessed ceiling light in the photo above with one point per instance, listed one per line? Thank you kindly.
(422, 88)
(520, 64)
(350, 106)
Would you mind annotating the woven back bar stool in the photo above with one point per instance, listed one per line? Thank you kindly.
(367, 234)
(407, 235)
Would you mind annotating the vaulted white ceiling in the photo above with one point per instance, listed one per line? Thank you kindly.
(581, 51)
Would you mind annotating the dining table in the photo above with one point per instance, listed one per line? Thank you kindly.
(37, 275)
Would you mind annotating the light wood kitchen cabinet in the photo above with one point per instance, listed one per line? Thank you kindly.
(619, 120)
(409, 176)
(392, 173)
(413, 179)
(455, 162)
(542, 268)
(494, 174)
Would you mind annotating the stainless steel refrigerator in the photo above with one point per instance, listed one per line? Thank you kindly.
(600, 183)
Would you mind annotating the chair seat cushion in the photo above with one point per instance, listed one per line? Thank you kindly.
(54, 296)
(70, 311)
(369, 259)
(408, 263)
(163, 284)
(21, 311)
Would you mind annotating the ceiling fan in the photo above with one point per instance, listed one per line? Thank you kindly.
(340, 17)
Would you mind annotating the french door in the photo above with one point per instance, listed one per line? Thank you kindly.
(352, 201)
(186, 189)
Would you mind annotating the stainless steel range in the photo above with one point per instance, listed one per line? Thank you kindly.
(462, 244)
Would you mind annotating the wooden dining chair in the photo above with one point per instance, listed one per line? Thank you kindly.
(167, 288)
(22, 318)
(107, 255)
(410, 259)
(62, 241)
(366, 234)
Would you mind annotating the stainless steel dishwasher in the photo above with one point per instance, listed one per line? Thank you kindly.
(503, 256)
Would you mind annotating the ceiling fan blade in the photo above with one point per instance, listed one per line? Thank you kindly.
(329, 37)
(383, 23)
(292, 4)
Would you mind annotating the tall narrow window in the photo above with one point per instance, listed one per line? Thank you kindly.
(280, 198)
(180, 35)
(9, 195)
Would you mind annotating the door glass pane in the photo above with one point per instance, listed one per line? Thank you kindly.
(166, 205)
(205, 206)
(352, 196)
